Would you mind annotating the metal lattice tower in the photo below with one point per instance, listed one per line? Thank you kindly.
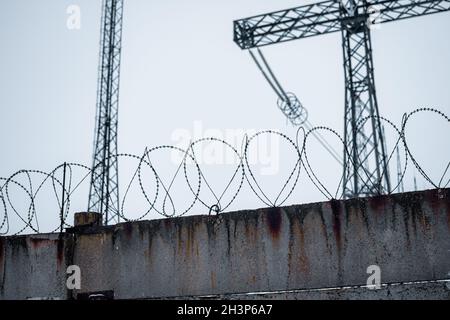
(104, 188)
(365, 169)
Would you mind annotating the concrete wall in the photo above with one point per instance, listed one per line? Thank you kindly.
(320, 245)
(34, 266)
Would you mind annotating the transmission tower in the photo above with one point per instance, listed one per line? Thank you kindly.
(365, 169)
(104, 188)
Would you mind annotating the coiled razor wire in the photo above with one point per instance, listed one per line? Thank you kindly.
(30, 183)
(406, 118)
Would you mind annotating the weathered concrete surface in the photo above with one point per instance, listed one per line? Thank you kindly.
(310, 246)
(320, 245)
(34, 266)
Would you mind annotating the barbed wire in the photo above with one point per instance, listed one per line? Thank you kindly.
(30, 183)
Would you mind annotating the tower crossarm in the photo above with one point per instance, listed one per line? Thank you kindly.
(326, 17)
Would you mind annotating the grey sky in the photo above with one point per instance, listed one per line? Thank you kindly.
(180, 65)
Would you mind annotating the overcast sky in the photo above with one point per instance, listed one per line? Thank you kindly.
(181, 71)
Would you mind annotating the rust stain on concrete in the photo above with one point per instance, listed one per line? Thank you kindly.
(167, 223)
(213, 280)
(433, 201)
(60, 252)
(424, 220)
(179, 238)
(189, 241)
(323, 227)
(274, 220)
(336, 211)
(141, 233)
(128, 229)
(378, 204)
(297, 257)
(251, 233)
(2, 252)
(247, 231)
(150, 247)
(37, 243)
(191, 246)
(304, 262)
(447, 204)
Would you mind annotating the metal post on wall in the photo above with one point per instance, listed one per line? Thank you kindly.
(62, 198)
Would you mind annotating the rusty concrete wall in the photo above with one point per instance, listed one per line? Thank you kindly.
(319, 245)
(34, 266)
